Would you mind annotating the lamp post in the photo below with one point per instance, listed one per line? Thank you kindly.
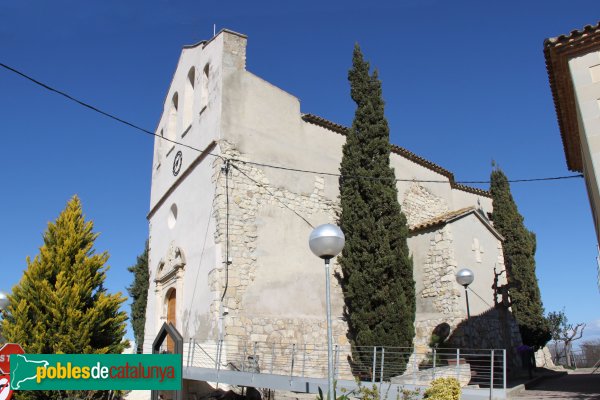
(465, 277)
(327, 241)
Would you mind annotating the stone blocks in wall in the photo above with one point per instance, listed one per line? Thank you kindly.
(420, 205)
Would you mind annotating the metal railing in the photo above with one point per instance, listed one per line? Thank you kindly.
(476, 368)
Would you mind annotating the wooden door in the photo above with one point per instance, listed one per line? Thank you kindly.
(171, 307)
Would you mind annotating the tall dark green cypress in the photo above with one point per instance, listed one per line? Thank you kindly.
(519, 257)
(377, 270)
(139, 294)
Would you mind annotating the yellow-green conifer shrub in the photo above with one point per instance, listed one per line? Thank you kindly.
(61, 305)
(443, 389)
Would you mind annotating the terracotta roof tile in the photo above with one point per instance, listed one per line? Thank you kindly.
(451, 216)
(343, 130)
(440, 219)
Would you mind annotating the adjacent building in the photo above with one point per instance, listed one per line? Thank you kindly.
(573, 63)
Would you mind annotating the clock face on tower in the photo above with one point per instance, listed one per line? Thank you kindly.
(177, 163)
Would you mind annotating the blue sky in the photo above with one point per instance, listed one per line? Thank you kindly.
(465, 83)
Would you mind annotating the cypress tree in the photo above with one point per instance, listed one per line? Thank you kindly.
(519, 257)
(139, 294)
(376, 269)
(60, 304)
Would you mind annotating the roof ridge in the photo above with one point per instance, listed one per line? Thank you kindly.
(343, 130)
(574, 35)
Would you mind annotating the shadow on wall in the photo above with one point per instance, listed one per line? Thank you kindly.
(495, 329)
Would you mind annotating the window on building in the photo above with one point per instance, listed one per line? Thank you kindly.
(188, 101)
(159, 147)
(172, 126)
(204, 94)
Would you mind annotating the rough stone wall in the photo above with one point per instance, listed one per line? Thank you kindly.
(420, 205)
(488, 332)
(249, 189)
(439, 292)
(438, 301)
(439, 273)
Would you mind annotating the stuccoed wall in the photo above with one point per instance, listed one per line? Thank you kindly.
(438, 253)
(585, 74)
(192, 196)
(275, 286)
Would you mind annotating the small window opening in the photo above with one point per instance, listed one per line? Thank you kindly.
(205, 77)
(188, 102)
(172, 127)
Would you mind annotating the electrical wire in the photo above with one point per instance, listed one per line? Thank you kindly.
(259, 184)
(226, 170)
(146, 131)
(476, 294)
(212, 206)
(396, 179)
(96, 109)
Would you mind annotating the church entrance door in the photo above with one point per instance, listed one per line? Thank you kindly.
(171, 306)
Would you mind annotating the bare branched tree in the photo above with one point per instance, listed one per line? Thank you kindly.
(565, 333)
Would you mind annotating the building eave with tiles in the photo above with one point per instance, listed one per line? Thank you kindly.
(573, 64)
(235, 264)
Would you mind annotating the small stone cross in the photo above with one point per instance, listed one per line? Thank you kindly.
(478, 249)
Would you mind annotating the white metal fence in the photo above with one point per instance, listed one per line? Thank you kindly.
(476, 368)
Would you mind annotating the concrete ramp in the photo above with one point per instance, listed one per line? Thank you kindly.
(311, 385)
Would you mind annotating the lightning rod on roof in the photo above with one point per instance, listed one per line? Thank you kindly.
(214, 29)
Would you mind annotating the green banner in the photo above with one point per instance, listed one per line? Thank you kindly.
(95, 371)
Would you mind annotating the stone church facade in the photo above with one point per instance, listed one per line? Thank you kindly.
(229, 256)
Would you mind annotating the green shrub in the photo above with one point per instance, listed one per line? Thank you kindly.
(367, 393)
(443, 389)
(344, 396)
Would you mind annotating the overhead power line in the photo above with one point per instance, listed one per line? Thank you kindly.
(259, 184)
(284, 168)
(94, 108)
(68, 96)
(553, 178)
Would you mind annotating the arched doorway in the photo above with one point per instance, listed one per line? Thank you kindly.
(171, 316)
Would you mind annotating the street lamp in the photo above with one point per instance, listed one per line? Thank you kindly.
(327, 241)
(465, 277)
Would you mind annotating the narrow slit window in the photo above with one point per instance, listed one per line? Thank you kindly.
(172, 127)
(188, 101)
(159, 148)
(205, 78)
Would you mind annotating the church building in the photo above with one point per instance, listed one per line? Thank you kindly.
(229, 221)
